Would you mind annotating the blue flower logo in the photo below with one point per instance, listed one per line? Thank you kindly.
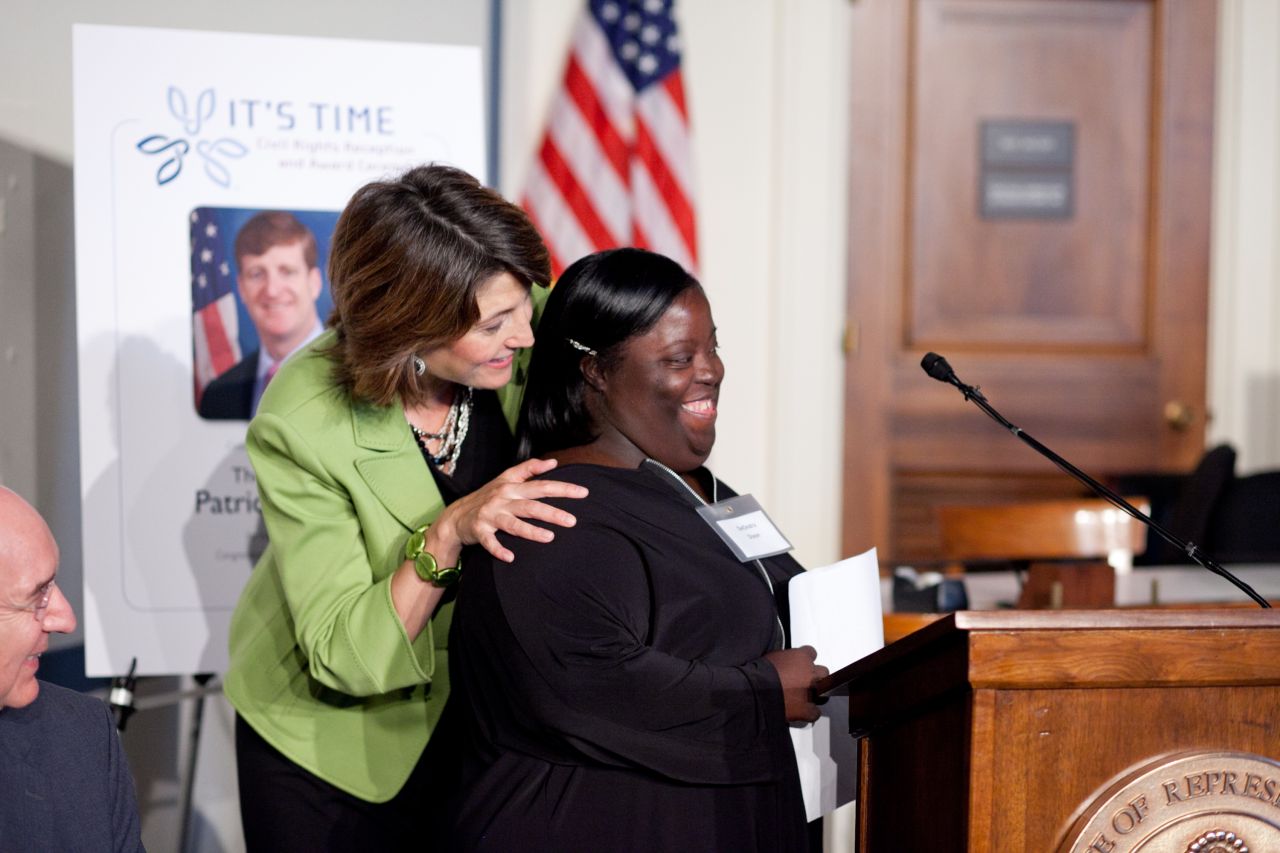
(192, 118)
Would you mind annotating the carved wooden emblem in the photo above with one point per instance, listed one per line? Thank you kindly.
(1185, 802)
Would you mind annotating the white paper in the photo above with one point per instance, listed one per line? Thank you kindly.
(835, 609)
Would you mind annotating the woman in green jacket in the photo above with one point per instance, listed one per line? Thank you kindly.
(380, 451)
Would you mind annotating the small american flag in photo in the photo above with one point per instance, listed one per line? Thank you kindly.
(215, 323)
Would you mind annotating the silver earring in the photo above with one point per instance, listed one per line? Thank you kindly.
(419, 366)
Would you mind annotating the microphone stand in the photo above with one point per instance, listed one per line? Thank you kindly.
(121, 697)
(937, 367)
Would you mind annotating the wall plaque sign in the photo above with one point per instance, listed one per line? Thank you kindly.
(1026, 169)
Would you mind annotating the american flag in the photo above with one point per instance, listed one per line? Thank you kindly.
(215, 326)
(615, 168)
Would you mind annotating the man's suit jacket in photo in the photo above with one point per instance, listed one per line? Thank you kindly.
(229, 397)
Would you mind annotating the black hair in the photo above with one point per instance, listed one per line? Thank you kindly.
(600, 302)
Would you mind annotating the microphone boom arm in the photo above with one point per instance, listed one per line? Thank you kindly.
(974, 395)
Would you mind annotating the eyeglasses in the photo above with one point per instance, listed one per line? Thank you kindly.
(42, 604)
(40, 609)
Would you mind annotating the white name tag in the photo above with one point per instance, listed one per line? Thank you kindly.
(745, 528)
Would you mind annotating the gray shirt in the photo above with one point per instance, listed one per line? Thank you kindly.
(64, 780)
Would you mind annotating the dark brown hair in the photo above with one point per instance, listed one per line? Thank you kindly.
(274, 228)
(407, 258)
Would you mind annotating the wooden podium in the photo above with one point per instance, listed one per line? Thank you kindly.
(994, 731)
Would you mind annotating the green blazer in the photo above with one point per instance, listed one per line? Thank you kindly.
(321, 666)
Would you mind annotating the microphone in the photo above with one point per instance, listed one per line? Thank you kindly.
(937, 367)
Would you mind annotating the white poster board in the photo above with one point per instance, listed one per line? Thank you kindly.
(180, 136)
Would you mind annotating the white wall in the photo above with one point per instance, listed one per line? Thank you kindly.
(1244, 339)
(35, 43)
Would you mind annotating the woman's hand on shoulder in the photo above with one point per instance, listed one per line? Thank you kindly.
(504, 503)
(798, 671)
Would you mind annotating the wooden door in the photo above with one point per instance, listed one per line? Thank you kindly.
(1082, 315)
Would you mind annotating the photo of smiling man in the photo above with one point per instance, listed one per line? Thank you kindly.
(279, 283)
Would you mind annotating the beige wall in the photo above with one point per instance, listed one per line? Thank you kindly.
(767, 84)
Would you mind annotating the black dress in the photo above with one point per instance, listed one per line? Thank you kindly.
(618, 695)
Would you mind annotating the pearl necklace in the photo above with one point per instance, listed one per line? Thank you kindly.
(451, 434)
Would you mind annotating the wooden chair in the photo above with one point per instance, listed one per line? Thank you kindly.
(1073, 547)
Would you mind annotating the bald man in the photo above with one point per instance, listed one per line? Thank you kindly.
(64, 781)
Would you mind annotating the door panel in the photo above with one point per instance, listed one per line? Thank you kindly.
(1060, 283)
(1080, 325)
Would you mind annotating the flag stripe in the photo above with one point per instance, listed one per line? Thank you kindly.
(639, 239)
(669, 134)
(666, 185)
(575, 197)
(215, 325)
(565, 238)
(614, 165)
(220, 352)
(653, 217)
(595, 59)
(674, 87)
(594, 115)
(203, 374)
(595, 176)
(230, 329)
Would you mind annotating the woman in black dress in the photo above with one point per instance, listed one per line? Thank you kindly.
(629, 683)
